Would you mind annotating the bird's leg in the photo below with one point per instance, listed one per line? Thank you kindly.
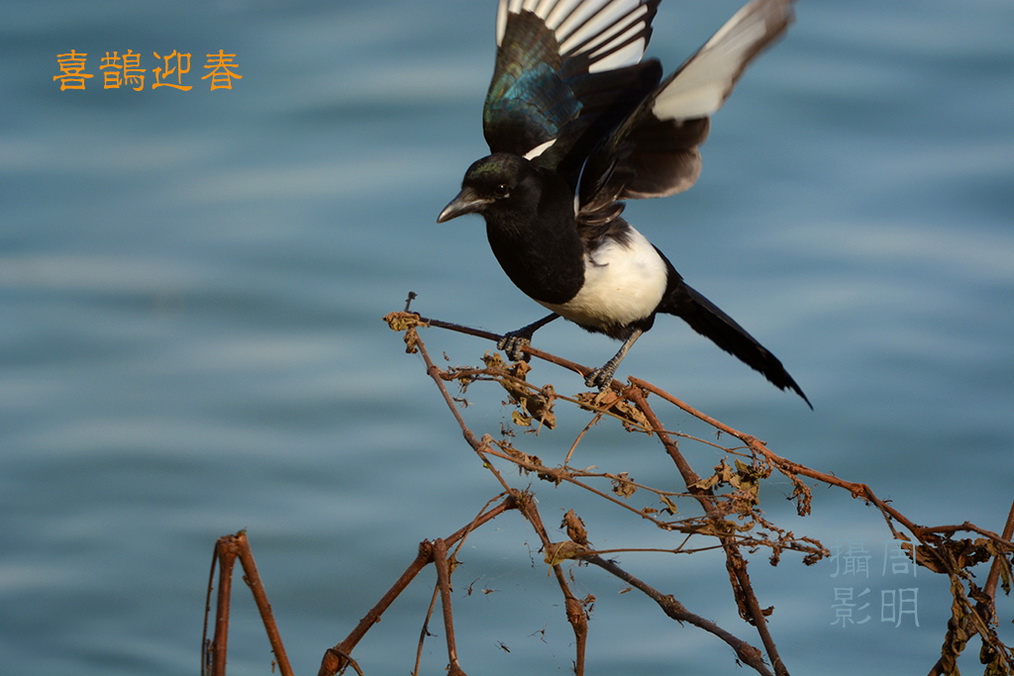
(513, 341)
(601, 377)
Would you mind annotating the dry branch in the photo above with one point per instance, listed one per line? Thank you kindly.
(727, 496)
(938, 548)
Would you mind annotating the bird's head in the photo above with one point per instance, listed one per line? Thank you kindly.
(497, 181)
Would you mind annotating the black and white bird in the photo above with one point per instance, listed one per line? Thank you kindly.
(576, 123)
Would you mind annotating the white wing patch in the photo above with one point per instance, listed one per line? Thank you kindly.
(539, 149)
(704, 83)
(608, 32)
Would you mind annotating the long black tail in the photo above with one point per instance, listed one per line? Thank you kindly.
(707, 319)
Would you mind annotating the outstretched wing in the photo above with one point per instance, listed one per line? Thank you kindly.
(564, 67)
(653, 153)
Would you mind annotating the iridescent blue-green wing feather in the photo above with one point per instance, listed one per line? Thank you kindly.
(565, 68)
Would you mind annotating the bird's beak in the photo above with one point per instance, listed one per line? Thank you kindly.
(467, 202)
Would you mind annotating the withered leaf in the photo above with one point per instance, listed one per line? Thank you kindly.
(622, 484)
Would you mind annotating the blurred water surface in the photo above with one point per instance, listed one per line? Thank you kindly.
(191, 286)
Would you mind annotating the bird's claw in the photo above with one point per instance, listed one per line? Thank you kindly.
(600, 378)
(513, 343)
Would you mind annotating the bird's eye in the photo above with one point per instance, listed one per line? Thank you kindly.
(501, 191)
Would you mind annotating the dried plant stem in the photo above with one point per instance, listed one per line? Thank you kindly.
(731, 491)
(443, 567)
(994, 571)
(214, 655)
(746, 599)
(425, 631)
(227, 549)
(338, 657)
(747, 653)
(575, 613)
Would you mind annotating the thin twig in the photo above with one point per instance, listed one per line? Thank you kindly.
(735, 563)
(994, 571)
(575, 613)
(425, 630)
(225, 552)
(206, 645)
(527, 349)
(337, 657)
(576, 616)
(747, 653)
(253, 580)
(443, 567)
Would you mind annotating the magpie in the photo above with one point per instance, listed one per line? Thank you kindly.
(576, 123)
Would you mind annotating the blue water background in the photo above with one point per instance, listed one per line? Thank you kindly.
(191, 286)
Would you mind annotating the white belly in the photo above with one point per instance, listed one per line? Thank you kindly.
(623, 283)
